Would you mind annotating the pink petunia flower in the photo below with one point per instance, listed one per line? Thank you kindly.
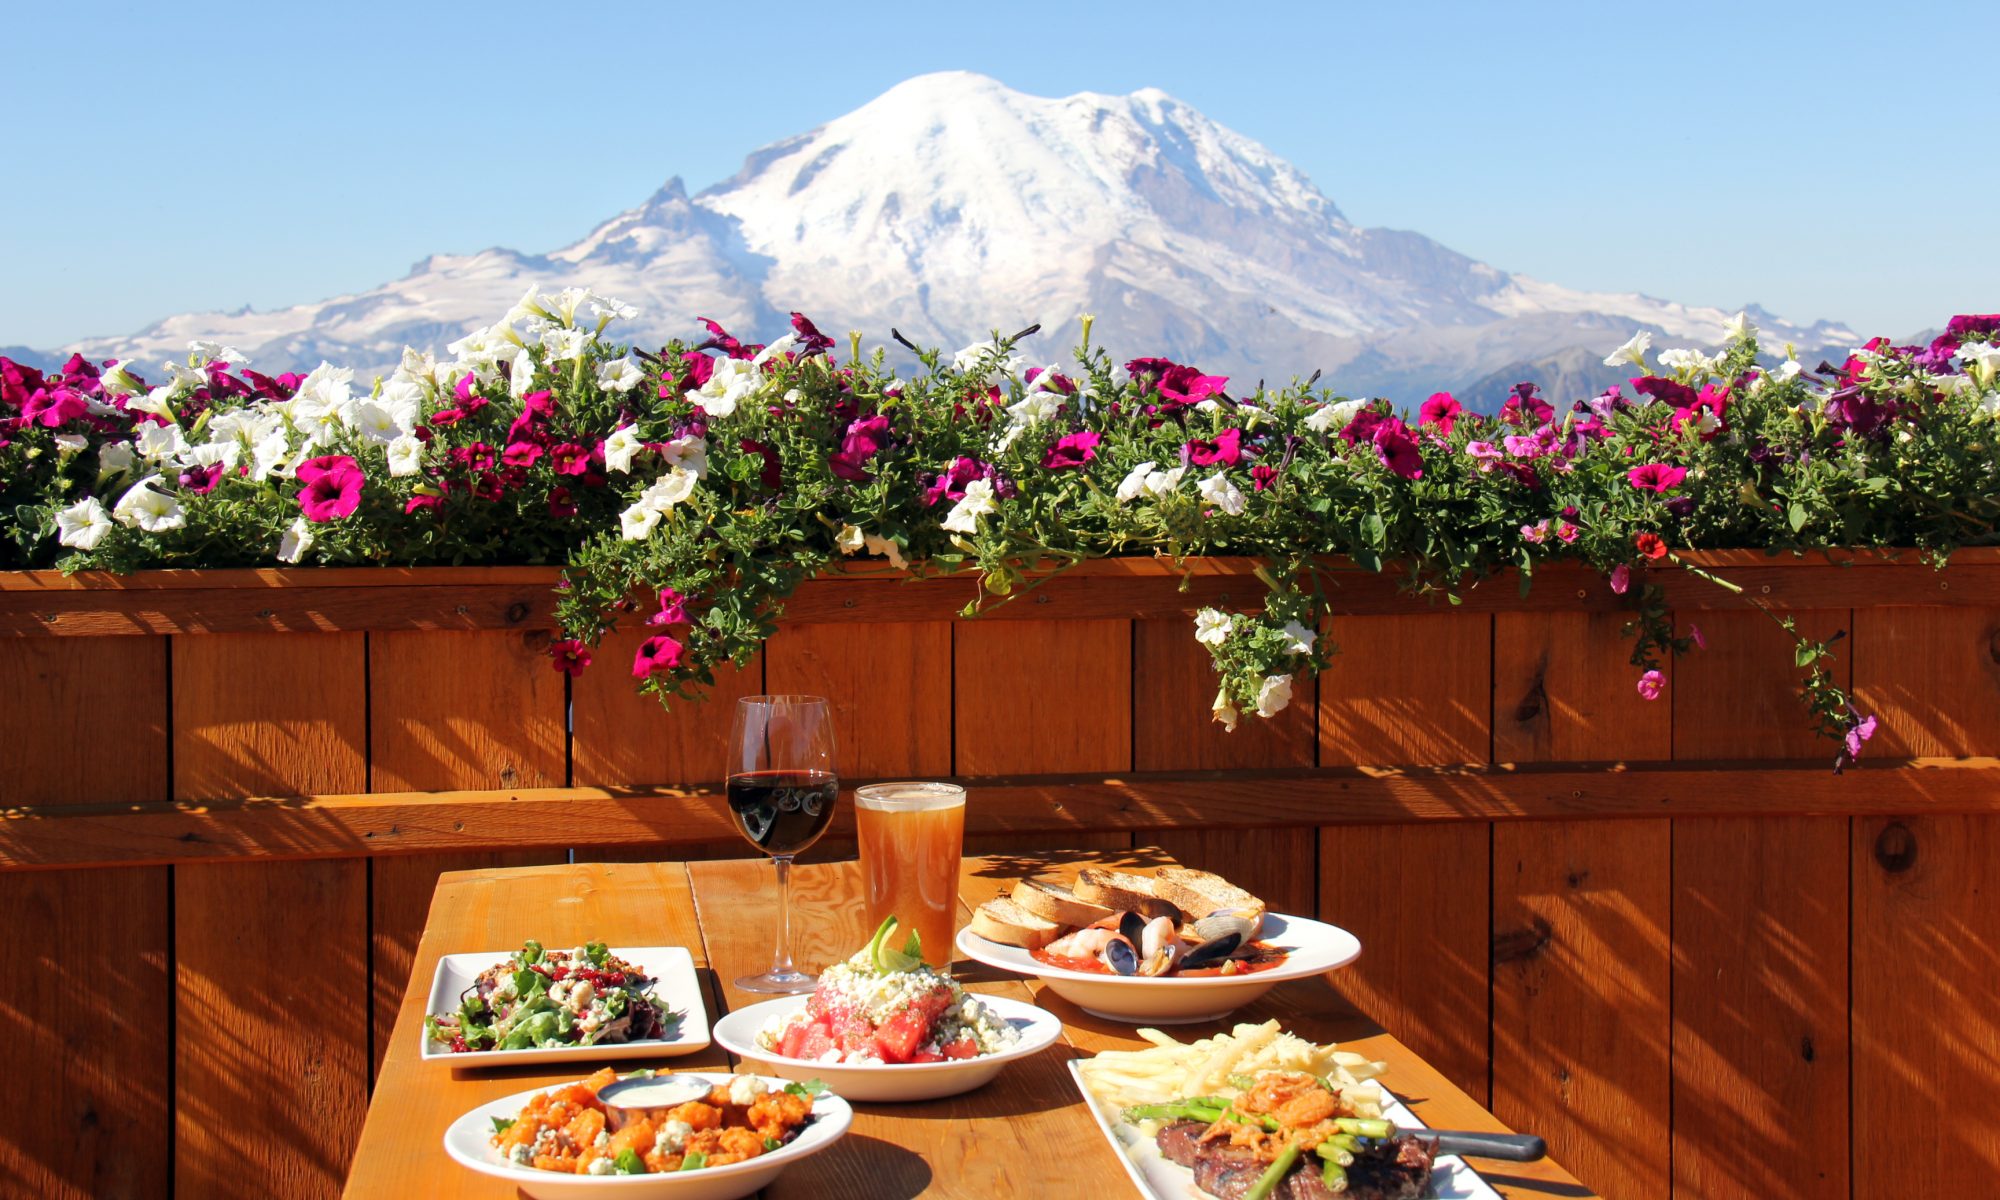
(561, 504)
(1694, 631)
(569, 458)
(571, 656)
(1440, 412)
(1857, 735)
(1537, 533)
(332, 487)
(1263, 476)
(52, 408)
(1651, 684)
(1621, 579)
(1397, 447)
(659, 653)
(1071, 450)
(1658, 478)
(521, 454)
(673, 609)
(420, 502)
(1226, 449)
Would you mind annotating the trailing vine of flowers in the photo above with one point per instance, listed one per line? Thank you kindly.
(693, 487)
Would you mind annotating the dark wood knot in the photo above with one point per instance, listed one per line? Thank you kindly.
(1896, 848)
(1993, 646)
(1514, 945)
(518, 611)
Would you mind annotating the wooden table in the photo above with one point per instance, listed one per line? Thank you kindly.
(1025, 1134)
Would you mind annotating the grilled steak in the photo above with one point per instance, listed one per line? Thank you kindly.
(1396, 1169)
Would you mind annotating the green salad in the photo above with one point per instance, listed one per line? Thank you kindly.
(539, 999)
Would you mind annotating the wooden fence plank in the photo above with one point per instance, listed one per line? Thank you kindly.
(1581, 1026)
(892, 704)
(90, 949)
(1760, 1051)
(1418, 898)
(1739, 698)
(453, 710)
(272, 1078)
(1564, 691)
(1926, 948)
(1042, 696)
(1403, 690)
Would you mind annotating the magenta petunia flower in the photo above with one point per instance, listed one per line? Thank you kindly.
(1176, 386)
(541, 404)
(476, 457)
(1263, 476)
(1694, 631)
(1397, 447)
(1651, 684)
(659, 653)
(463, 391)
(1071, 450)
(864, 438)
(1226, 449)
(569, 458)
(560, 503)
(201, 480)
(332, 487)
(521, 454)
(1621, 579)
(1525, 407)
(1440, 412)
(811, 340)
(673, 609)
(1667, 391)
(1858, 734)
(420, 502)
(52, 408)
(1486, 454)
(571, 656)
(1656, 477)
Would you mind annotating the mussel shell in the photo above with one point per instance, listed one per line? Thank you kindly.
(1121, 956)
(1219, 924)
(1213, 951)
(1133, 926)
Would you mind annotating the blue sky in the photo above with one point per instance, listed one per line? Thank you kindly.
(1827, 159)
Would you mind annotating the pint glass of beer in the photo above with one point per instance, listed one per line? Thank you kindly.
(911, 834)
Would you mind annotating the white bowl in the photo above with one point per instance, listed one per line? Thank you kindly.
(889, 1082)
(469, 1142)
(1315, 948)
(674, 981)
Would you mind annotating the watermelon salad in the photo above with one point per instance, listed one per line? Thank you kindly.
(886, 1006)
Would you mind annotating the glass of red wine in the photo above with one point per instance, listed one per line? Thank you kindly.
(782, 787)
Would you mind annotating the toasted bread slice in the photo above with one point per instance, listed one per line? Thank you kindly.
(1199, 893)
(1054, 902)
(1001, 920)
(1120, 892)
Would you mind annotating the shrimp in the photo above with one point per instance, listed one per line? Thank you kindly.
(1087, 942)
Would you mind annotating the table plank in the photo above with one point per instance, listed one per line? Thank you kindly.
(401, 1151)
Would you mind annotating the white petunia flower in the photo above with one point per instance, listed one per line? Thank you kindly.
(297, 540)
(565, 344)
(208, 352)
(119, 382)
(964, 516)
(850, 539)
(161, 443)
(115, 458)
(606, 309)
(1633, 351)
(1982, 361)
(406, 456)
(378, 422)
(620, 447)
(1225, 712)
(1274, 695)
(886, 547)
(1299, 639)
(1329, 417)
(1134, 483)
(730, 382)
(989, 363)
(689, 454)
(148, 508)
(1212, 626)
(527, 308)
(619, 375)
(1217, 490)
(1159, 483)
(782, 346)
(637, 523)
(1689, 362)
(669, 489)
(70, 443)
(83, 524)
(1739, 327)
(267, 457)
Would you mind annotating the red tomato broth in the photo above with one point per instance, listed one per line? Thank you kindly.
(1264, 958)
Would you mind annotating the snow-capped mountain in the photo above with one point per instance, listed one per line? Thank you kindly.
(951, 205)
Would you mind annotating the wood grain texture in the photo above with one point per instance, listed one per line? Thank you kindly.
(625, 904)
(1581, 973)
(269, 713)
(1173, 725)
(1739, 698)
(1760, 1052)
(89, 988)
(86, 994)
(1407, 690)
(1926, 1016)
(1932, 678)
(271, 1080)
(1042, 696)
(622, 738)
(1423, 972)
(58, 690)
(891, 693)
(454, 710)
(1564, 690)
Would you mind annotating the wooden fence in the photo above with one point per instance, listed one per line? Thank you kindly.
(1662, 934)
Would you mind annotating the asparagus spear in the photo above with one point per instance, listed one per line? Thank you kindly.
(1275, 1173)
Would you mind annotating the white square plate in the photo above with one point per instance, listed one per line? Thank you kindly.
(674, 981)
(1158, 1179)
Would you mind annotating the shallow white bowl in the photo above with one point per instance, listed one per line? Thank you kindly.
(889, 1082)
(1315, 948)
(672, 971)
(468, 1141)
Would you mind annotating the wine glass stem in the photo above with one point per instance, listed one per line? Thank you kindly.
(781, 957)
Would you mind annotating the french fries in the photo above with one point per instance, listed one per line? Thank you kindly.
(1172, 1070)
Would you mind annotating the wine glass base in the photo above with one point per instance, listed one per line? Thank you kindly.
(782, 983)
